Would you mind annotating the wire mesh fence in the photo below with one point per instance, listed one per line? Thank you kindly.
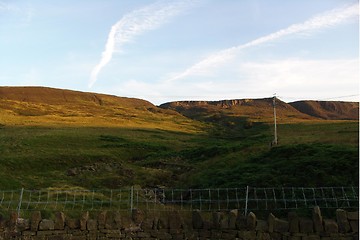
(158, 199)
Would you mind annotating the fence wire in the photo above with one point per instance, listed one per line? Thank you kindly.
(157, 199)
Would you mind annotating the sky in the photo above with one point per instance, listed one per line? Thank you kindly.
(163, 51)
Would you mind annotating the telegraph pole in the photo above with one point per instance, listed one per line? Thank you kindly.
(275, 129)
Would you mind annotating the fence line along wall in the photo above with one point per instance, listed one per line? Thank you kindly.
(143, 225)
(245, 199)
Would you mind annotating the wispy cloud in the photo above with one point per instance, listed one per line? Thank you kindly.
(22, 12)
(7, 7)
(325, 20)
(135, 24)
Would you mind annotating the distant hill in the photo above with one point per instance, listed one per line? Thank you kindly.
(329, 110)
(254, 109)
(262, 109)
(50, 106)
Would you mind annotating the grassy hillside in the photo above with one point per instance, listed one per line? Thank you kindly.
(123, 142)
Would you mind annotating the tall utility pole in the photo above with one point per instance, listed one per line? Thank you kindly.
(275, 129)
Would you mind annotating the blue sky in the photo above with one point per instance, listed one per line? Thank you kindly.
(164, 51)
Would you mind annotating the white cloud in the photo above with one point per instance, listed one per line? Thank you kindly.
(291, 79)
(325, 20)
(137, 23)
(302, 79)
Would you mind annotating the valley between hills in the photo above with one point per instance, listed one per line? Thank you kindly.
(55, 138)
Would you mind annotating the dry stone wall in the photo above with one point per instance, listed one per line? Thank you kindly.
(173, 225)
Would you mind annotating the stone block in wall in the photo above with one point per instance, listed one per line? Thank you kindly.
(163, 222)
(262, 226)
(311, 237)
(72, 223)
(330, 226)
(353, 216)
(175, 231)
(293, 222)
(215, 234)
(241, 222)
(262, 236)
(276, 236)
(83, 220)
(111, 234)
(190, 234)
(251, 221)
(142, 235)
(197, 220)
(175, 220)
(178, 236)
(23, 224)
(294, 238)
(35, 219)
(271, 222)
(160, 234)
(91, 224)
(13, 220)
(281, 226)
(342, 221)
(317, 219)
(306, 225)
(354, 225)
(224, 222)
(46, 224)
(28, 234)
(126, 222)
(248, 235)
(137, 216)
(59, 222)
(229, 234)
(217, 217)
(148, 224)
(101, 219)
(207, 225)
(342, 236)
(233, 215)
(110, 221)
(204, 233)
(117, 219)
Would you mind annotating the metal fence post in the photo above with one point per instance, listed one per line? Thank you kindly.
(246, 200)
(20, 201)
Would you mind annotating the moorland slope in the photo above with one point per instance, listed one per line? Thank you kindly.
(50, 106)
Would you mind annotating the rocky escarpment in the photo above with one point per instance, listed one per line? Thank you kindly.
(260, 109)
(328, 110)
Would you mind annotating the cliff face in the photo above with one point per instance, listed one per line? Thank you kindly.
(221, 103)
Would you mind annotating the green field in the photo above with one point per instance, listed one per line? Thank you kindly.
(223, 155)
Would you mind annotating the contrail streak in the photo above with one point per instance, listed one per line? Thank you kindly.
(136, 23)
(325, 20)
